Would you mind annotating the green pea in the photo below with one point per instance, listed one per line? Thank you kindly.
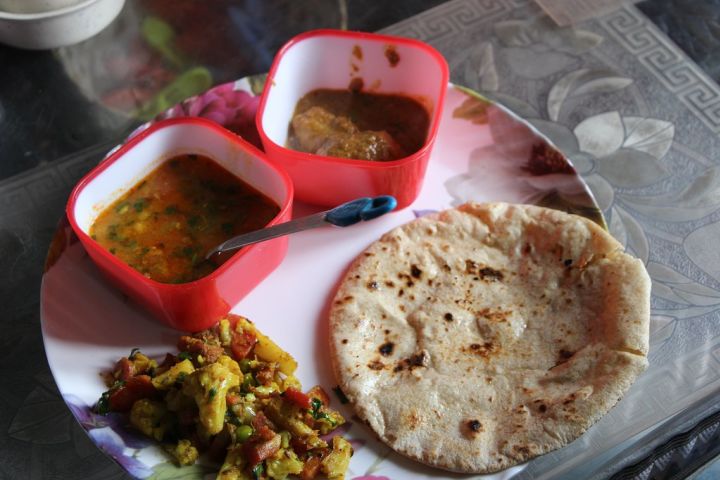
(245, 365)
(248, 381)
(243, 432)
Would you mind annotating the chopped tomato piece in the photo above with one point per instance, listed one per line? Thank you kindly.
(257, 452)
(298, 398)
(265, 375)
(242, 344)
(135, 388)
(299, 445)
(124, 369)
(311, 468)
(232, 399)
(168, 361)
(196, 346)
(263, 428)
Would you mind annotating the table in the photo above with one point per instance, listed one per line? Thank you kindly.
(638, 117)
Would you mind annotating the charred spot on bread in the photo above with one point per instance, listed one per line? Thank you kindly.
(415, 271)
(484, 350)
(471, 428)
(471, 267)
(490, 274)
(564, 355)
(410, 363)
(386, 348)
(376, 365)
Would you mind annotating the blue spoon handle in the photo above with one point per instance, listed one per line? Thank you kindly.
(346, 214)
(359, 210)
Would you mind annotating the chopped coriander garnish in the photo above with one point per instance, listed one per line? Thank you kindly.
(316, 405)
(112, 232)
(317, 414)
(194, 221)
(102, 407)
(184, 356)
(140, 205)
(180, 379)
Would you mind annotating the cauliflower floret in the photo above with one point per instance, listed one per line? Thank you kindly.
(178, 371)
(149, 416)
(282, 464)
(208, 386)
(184, 452)
(336, 463)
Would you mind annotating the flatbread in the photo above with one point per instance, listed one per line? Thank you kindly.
(480, 337)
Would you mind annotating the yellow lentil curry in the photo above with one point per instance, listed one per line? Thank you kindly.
(359, 125)
(166, 224)
(231, 394)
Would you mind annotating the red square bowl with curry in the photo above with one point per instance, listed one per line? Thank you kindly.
(150, 213)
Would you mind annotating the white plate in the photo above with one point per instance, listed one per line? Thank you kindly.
(483, 153)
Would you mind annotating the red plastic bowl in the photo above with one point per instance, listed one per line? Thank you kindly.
(196, 305)
(332, 59)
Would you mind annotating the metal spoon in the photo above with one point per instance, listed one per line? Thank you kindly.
(344, 215)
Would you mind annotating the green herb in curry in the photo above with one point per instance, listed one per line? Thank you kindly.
(166, 224)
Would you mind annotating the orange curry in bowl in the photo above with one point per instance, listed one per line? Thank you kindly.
(164, 226)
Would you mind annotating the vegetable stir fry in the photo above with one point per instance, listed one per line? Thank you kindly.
(231, 394)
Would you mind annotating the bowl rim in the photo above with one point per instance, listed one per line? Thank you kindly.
(391, 39)
(127, 270)
(58, 12)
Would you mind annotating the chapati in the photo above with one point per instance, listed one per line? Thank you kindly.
(480, 337)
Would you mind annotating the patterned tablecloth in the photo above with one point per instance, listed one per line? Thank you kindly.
(639, 120)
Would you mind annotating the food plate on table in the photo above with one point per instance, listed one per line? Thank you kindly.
(483, 153)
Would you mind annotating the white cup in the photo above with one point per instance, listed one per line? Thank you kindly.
(35, 6)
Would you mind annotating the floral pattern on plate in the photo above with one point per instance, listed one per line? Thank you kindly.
(483, 153)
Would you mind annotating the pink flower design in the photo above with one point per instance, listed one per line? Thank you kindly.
(233, 109)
